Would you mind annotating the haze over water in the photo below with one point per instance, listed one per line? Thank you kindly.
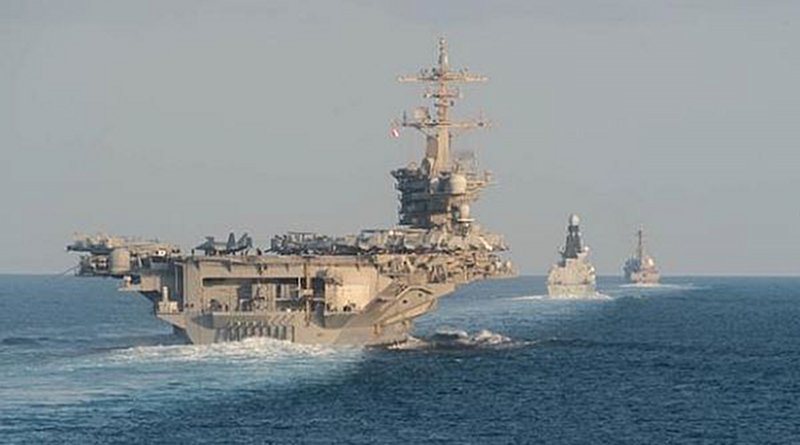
(186, 118)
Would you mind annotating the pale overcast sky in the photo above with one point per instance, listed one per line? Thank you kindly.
(180, 119)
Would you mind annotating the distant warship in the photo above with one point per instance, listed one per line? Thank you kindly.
(573, 276)
(363, 289)
(641, 268)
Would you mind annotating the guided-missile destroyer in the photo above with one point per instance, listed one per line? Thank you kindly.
(641, 268)
(573, 276)
(363, 289)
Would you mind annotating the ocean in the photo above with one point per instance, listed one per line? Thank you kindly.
(699, 360)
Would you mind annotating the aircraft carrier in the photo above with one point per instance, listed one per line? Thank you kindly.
(363, 289)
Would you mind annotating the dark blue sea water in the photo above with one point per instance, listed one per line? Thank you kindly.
(700, 360)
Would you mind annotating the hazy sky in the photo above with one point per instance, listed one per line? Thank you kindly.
(180, 119)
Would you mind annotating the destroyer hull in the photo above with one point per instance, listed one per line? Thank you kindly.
(572, 290)
(643, 277)
(574, 278)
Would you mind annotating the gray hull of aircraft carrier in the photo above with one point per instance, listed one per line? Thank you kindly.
(363, 289)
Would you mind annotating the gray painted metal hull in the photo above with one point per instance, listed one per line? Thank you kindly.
(364, 289)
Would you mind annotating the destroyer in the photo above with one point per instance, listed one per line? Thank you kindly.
(641, 268)
(573, 276)
(363, 289)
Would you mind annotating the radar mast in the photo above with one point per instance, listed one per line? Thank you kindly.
(438, 193)
(640, 244)
(438, 128)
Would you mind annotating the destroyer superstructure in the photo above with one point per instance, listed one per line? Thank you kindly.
(641, 268)
(363, 289)
(573, 276)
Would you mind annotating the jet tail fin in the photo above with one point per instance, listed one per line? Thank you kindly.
(245, 241)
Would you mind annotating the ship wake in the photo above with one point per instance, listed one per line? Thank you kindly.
(595, 296)
(248, 350)
(529, 298)
(457, 339)
(660, 286)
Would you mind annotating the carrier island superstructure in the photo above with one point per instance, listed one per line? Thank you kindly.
(363, 289)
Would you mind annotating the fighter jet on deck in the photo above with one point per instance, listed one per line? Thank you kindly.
(212, 247)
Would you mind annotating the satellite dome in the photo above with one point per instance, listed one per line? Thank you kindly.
(456, 184)
(574, 220)
(464, 212)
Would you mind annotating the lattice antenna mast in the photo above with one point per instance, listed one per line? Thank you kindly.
(640, 243)
(438, 128)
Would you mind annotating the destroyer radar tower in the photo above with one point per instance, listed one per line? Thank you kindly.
(573, 276)
(438, 193)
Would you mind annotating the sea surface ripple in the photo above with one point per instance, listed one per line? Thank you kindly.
(697, 360)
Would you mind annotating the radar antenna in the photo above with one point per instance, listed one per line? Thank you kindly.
(438, 128)
(640, 244)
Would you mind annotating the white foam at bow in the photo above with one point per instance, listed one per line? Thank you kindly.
(594, 296)
(248, 350)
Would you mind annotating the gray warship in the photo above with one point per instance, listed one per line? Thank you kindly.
(641, 268)
(573, 276)
(364, 289)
